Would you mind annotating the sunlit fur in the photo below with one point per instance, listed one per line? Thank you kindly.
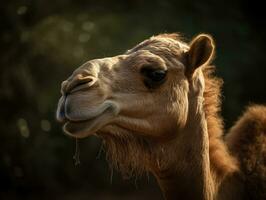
(175, 130)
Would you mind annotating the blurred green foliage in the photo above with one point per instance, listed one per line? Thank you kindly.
(43, 41)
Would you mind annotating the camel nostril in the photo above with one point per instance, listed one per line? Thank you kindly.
(79, 83)
(82, 82)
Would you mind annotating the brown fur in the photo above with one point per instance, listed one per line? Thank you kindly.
(247, 141)
(183, 146)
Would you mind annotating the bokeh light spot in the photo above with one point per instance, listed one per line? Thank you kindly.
(45, 125)
(22, 10)
(23, 127)
(87, 26)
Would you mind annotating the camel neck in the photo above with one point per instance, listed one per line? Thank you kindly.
(190, 176)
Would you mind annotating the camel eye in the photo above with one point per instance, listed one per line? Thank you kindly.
(153, 77)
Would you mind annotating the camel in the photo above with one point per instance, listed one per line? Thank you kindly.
(157, 109)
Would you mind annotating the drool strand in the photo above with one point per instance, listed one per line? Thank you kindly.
(76, 156)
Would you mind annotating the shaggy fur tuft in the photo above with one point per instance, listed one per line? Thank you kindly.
(134, 156)
(128, 154)
(247, 141)
(221, 161)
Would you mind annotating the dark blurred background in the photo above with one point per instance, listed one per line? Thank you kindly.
(43, 41)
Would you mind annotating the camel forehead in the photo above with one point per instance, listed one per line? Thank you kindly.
(160, 50)
(162, 43)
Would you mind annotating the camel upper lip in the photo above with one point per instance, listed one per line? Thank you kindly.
(63, 117)
(84, 125)
(84, 128)
(77, 120)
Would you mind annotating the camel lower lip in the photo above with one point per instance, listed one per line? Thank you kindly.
(77, 127)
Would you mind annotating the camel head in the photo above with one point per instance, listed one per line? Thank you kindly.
(132, 99)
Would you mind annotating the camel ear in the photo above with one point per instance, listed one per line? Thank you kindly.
(200, 52)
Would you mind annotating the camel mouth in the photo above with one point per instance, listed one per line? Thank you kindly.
(87, 127)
